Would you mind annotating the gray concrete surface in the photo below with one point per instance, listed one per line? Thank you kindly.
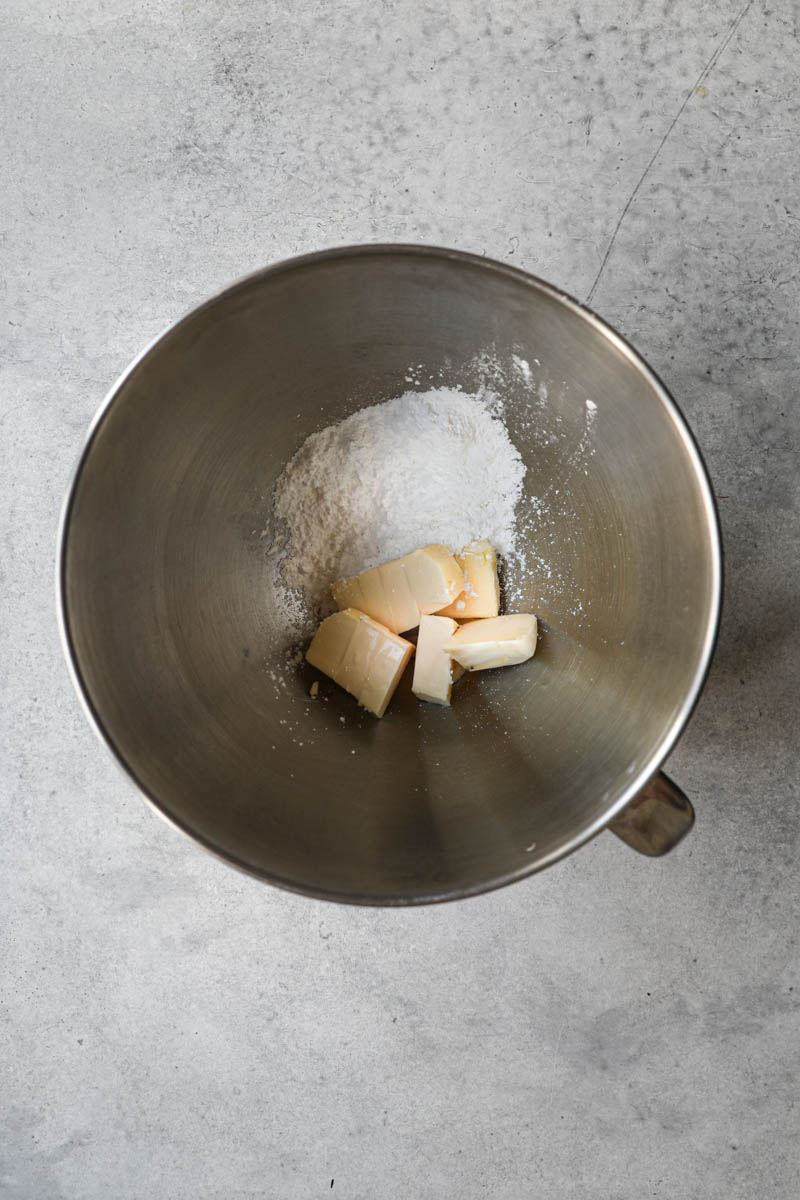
(613, 1029)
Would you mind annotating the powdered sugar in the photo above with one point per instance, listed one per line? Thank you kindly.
(523, 367)
(436, 466)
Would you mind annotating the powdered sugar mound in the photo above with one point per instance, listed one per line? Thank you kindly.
(436, 466)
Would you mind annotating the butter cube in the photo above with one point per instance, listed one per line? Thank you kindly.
(481, 594)
(361, 656)
(494, 642)
(434, 670)
(398, 592)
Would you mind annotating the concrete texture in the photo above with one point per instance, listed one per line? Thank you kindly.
(613, 1029)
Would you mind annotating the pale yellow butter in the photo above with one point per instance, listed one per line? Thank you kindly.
(397, 593)
(494, 642)
(481, 594)
(360, 655)
(434, 669)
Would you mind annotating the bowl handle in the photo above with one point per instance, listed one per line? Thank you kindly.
(657, 819)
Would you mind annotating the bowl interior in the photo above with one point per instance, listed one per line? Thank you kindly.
(172, 620)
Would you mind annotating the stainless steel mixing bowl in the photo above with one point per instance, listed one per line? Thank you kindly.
(170, 622)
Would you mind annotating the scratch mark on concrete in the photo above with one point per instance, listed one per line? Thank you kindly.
(555, 1063)
(707, 69)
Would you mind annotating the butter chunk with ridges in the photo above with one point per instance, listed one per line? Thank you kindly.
(360, 655)
(481, 594)
(494, 642)
(397, 593)
(434, 670)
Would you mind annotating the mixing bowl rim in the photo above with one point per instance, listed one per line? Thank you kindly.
(676, 727)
